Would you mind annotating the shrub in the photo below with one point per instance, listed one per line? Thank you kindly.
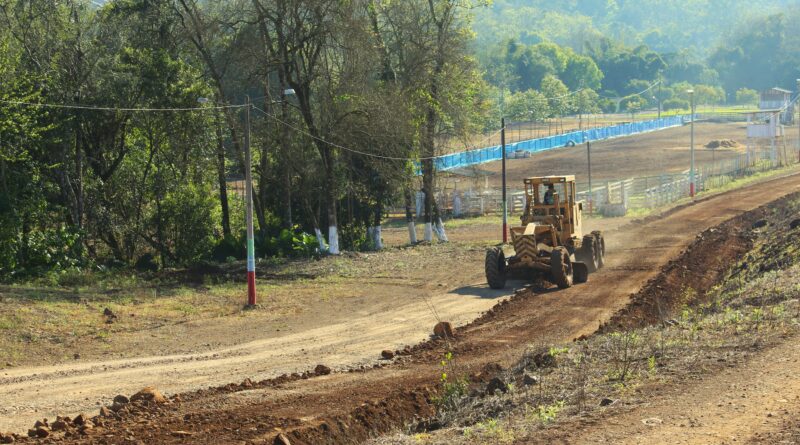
(675, 104)
(746, 96)
(229, 247)
(189, 223)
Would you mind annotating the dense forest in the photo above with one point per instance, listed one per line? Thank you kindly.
(617, 48)
(123, 123)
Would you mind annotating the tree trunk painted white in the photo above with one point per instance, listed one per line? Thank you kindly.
(440, 233)
(322, 246)
(428, 237)
(333, 240)
(412, 232)
(376, 234)
(420, 203)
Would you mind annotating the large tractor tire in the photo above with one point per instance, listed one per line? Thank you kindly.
(601, 248)
(561, 267)
(588, 253)
(495, 268)
(580, 272)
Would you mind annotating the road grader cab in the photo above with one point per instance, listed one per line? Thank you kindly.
(549, 242)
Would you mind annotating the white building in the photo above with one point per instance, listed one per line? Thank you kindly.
(778, 98)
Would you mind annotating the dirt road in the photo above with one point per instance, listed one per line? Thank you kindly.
(353, 339)
(347, 407)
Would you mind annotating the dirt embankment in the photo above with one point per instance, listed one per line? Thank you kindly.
(686, 280)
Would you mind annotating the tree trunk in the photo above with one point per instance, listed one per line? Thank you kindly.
(223, 183)
(427, 188)
(330, 185)
(412, 230)
(440, 233)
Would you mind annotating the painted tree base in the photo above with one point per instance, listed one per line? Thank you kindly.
(412, 232)
(333, 240)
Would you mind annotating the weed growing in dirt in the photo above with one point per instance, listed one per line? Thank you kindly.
(651, 365)
(453, 388)
(544, 414)
(490, 429)
(623, 348)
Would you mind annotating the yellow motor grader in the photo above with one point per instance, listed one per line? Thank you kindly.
(549, 243)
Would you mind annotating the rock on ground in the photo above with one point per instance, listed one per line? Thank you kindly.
(443, 329)
(149, 394)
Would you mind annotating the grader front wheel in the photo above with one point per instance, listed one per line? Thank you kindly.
(495, 267)
(600, 248)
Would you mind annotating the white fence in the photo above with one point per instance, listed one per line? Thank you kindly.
(615, 198)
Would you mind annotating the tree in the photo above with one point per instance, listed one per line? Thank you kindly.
(529, 105)
(581, 72)
(558, 96)
(746, 96)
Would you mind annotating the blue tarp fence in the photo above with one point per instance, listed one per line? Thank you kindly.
(489, 154)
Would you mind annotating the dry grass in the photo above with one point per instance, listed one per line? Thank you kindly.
(49, 320)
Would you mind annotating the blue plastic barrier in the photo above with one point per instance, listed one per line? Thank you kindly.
(494, 153)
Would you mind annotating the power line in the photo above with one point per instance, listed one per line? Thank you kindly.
(571, 93)
(94, 108)
(333, 144)
(634, 94)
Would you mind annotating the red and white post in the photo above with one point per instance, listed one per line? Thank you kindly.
(251, 248)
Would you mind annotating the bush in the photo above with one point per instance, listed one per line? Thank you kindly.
(42, 251)
(292, 243)
(675, 104)
(75, 277)
(146, 263)
(746, 96)
(354, 237)
(229, 247)
(286, 244)
(189, 223)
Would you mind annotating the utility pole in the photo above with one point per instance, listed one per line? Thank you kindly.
(503, 148)
(659, 96)
(248, 177)
(797, 105)
(691, 147)
(589, 162)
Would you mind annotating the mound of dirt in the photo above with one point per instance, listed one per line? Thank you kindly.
(687, 279)
(723, 143)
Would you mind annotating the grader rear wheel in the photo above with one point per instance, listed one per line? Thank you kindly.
(588, 253)
(495, 267)
(561, 267)
(580, 272)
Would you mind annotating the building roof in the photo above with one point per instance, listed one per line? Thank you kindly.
(765, 111)
(549, 179)
(779, 90)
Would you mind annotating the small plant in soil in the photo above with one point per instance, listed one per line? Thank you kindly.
(452, 388)
(544, 414)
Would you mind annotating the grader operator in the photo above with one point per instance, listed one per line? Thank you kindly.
(549, 243)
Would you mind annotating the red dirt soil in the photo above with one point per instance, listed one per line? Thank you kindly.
(320, 408)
